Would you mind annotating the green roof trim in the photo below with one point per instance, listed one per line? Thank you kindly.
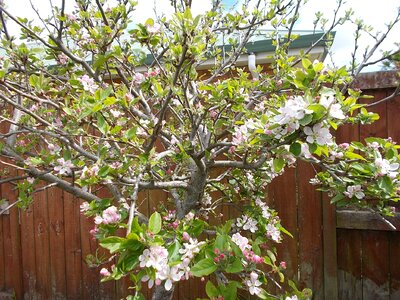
(302, 42)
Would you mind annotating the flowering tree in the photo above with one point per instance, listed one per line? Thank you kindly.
(84, 110)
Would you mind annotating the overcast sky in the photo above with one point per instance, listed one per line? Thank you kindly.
(375, 13)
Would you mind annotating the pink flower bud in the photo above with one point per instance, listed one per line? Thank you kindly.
(185, 237)
(105, 272)
(283, 264)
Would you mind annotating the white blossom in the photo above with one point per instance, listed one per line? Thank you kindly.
(273, 232)
(64, 166)
(384, 167)
(318, 134)
(334, 109)
(241, 241)
(190, 249)
(170, 275)
(355, 190)
(247, 223)
(253, 284)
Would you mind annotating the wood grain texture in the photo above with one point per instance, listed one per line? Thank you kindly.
(310, 232)
(375, 265)
(73, 249)
(349, 254)
(28, 252)
(366, 220)
(330, 249)
(57, 243)
(394, 265)
(42, 246)
(283, 196)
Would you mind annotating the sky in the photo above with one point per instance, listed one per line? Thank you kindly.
(375, 13)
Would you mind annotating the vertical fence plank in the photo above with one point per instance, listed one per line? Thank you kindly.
(310, 231)
(285, 202)
(375, 265)
(2, 279)
(394, 265)
(7, 252)
(330, 249)
(28, 252)
(73, 252)
(57, 243)
(42, 254)
(349, 249)
(12, 242)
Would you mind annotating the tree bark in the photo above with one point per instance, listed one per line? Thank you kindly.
(160, 293)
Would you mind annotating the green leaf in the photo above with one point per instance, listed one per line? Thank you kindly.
(319, 111)
(385, 183)
(131, 133)
(220, 241)
(102, 124)
(230, 292)
(306, 63)
(295, 149)
(278, 164)
(211, 289)
(306, 120)
(155, 223)
(173, 251)
(112, 243)
(235, 267)
(352, 155)
(204, 267)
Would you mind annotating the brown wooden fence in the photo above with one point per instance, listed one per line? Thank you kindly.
(338, 254)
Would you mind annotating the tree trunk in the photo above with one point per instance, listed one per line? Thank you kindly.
(160, 293)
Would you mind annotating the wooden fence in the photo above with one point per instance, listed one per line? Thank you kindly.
(338, 254)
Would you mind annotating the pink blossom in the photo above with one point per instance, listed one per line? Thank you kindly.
(138, 78)
(152, 29)
(62, 59)
(274, 233)
(128, 96)
(31, 180)
(155, 72)
(88, 84)
(94, 231)
(84, 207)
(53, 148)
(71, 17)
(241, 241)
(64, 167)
(213, 114)
(116, 113)
(105, 272)
(185, 237)
(283, 265)
(111, 215)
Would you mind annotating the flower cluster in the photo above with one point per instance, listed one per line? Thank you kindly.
(253, 284)
(88, 84)
(64, 167)
(247, 223)
(109, 216)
